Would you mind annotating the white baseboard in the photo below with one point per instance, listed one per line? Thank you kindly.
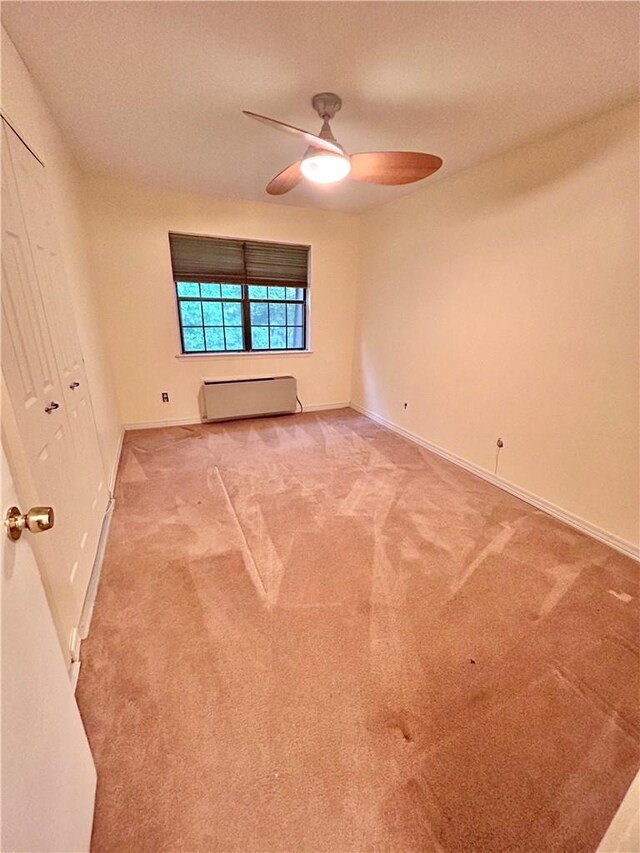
(626, 548)
(81, 632)
(94, 580)
(74, 674)
(159, 424)
(192, 420)
(326, 406)
(116, 462)
(74, 666)
(74, 645)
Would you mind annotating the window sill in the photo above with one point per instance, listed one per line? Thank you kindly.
(276, 353)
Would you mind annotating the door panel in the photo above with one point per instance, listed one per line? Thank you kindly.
(27, 348)
(42, 364)
(41, 231)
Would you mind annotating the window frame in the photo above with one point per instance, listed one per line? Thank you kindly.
(244, 301)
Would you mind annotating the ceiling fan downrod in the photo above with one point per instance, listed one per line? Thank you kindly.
(326, 104)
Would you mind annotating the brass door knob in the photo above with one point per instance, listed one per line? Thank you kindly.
(37, 520)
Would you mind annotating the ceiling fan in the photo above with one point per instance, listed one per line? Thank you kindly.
(326, 162)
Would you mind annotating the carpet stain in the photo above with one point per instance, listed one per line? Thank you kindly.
(400, 725)
(622, 596)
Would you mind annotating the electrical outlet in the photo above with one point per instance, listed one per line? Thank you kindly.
(165, 397)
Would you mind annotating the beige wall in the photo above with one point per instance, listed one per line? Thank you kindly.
(25, 108)
(503, 301)
(132, 270)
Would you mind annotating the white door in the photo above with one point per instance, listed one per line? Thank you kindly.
(42, 234)
(47, 386)
(48, 775)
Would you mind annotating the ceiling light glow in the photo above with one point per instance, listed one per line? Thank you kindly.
(323, 167)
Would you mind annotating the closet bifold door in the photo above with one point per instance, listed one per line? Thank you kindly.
(45, 379)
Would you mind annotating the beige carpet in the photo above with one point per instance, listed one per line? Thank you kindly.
(312, 635)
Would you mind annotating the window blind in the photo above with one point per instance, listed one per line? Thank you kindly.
(223, 260)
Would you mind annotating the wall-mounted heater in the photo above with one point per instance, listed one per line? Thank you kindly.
(247, 398)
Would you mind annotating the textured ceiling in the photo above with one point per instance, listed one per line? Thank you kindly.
(154, 90)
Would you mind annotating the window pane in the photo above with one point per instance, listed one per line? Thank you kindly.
(234, 337)
(232, 313)
(212, 312)
(260, 337)
(295, 338)
(193, 340)
(231, 291)
(210, 291)
(190, 313)
(215, 338)
(278, 337)
(277, 315)
(188, 288)
(212, 325)
(294, 315)
(259, 313)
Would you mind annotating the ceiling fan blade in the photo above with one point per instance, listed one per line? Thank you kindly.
(286, 180)
(309, 138)
(393, 167)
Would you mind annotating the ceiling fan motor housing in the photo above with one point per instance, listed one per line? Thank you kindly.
(326, 104)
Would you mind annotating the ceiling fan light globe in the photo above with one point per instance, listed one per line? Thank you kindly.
(325, 167)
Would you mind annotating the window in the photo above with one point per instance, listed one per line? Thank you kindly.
(239, 296)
